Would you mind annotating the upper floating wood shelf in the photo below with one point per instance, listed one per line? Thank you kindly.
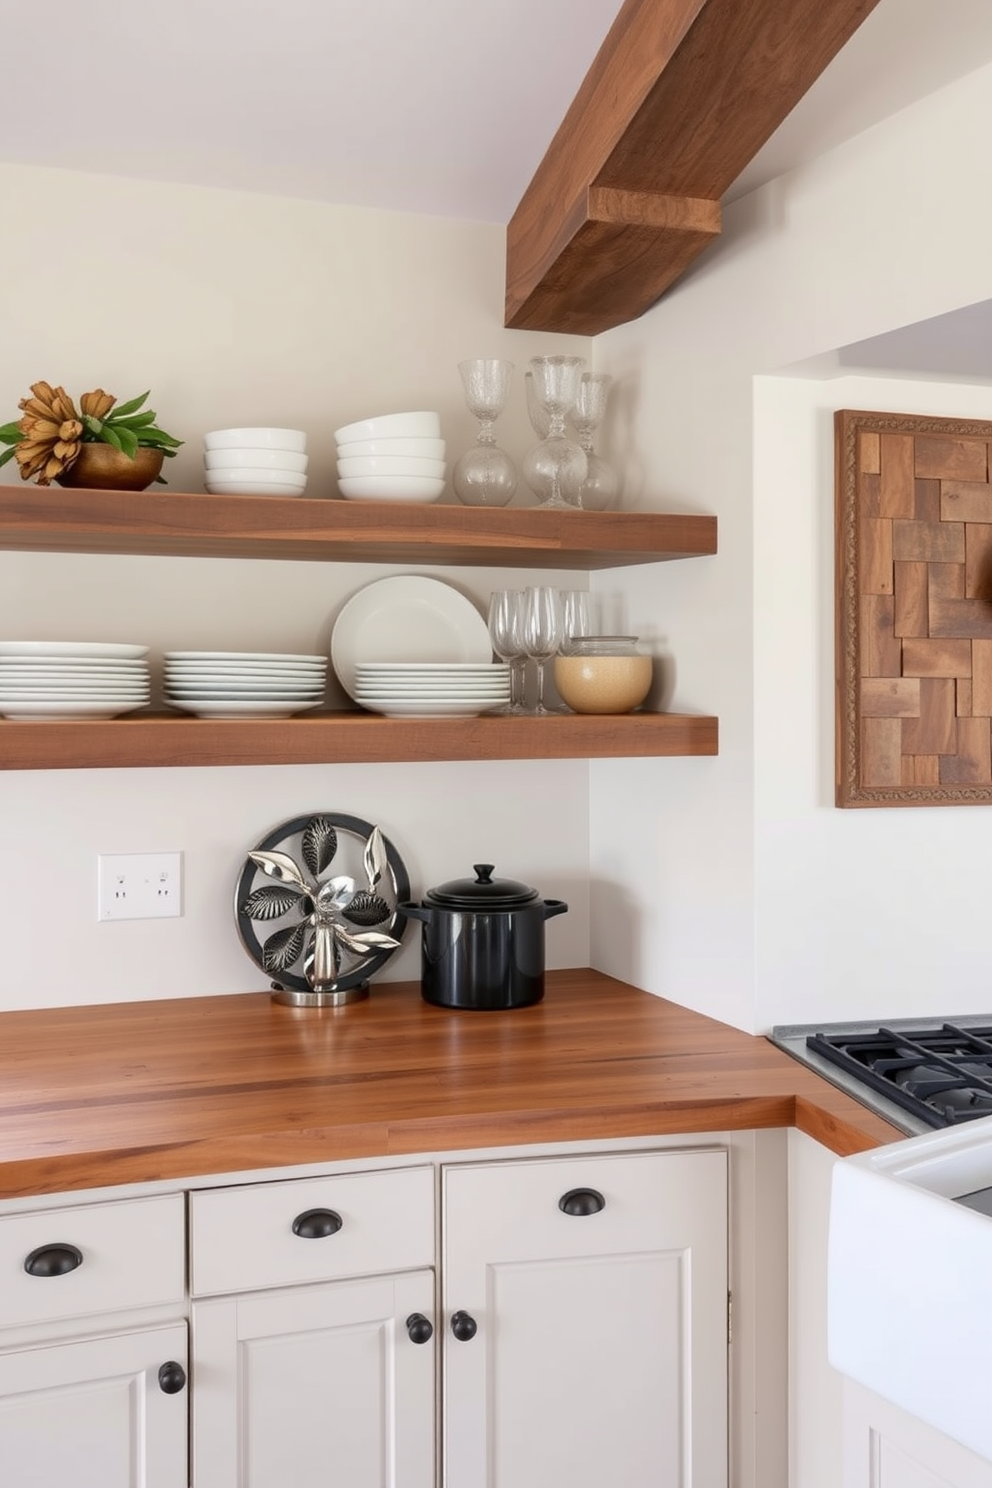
(187, 525)
(680, 98)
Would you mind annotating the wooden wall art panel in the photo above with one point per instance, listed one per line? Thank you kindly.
(914, 610)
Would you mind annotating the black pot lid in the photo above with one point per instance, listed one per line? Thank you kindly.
(482, 892)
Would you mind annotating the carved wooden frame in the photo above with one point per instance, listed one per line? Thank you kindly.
(913, 610)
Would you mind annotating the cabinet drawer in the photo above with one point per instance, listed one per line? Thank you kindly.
(352, 1225)
(123, 1255)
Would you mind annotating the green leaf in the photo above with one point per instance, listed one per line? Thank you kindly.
(7, 455)
(129, 441)
(132, 407)
(159, 439)
(136, 421)
(110, 436)
(93, 424)
(11, 433)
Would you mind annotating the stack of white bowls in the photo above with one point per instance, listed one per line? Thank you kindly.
(392, 457)
(255, 462)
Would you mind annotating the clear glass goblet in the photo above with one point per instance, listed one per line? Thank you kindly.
(598, 491)
(506, 607)
(556, 468)
(542, 633)
(485, 475)
(540, 419)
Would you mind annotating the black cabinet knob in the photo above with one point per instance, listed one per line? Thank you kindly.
(171, 1377)
(582, 1201)
(464, 1326)
(420, 1329)
(53, 1260)
(317, 1224)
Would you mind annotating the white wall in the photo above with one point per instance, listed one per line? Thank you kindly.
(238, 309)
(759, 902)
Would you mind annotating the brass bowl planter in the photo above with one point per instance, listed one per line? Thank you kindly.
(100, 467)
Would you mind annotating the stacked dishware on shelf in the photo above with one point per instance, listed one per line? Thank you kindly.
(392, 457)
(71, 679)
(243, 684)
(255, 462)
(423, 689)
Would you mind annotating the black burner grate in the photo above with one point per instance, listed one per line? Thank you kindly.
(943, 1074)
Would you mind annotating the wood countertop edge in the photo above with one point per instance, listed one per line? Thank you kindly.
(629, 1065)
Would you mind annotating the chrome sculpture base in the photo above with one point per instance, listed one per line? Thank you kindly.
(289, 998)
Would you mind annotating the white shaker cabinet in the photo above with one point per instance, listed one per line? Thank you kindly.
(886, 1448)
(91, 1393)
(585, 1306)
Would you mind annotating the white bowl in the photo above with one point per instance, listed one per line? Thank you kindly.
(243, 483)
(421, 449)
(393, 426)
(260, 438)
(390, 488)
(255, 459)
(392, 465)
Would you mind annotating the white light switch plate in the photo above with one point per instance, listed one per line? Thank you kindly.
(139, 886)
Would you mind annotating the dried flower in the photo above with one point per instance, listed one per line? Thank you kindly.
(46, 441)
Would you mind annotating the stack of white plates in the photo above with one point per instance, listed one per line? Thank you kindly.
(71, 679)
(392, 457)
(243, 684)
(423, 689)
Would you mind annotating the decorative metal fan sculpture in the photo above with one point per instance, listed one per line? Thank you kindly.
(316, 907)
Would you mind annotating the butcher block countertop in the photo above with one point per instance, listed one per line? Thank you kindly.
(175, 1089)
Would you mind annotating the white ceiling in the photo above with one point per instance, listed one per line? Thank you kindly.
(436, 106)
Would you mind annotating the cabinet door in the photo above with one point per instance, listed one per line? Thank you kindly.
(600, 1355)
(92, 1413)
(886, 1448)
(315, 1384)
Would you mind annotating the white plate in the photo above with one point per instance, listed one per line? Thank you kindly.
(431, 689)
(256, 694)
(195, 671)
(406, 618)
(408, 708)
(70, 648)
(444, 668)
(78, 677)
(50, 694)
(48, 710)
(72, 664)
(240, 708)
(253, 656)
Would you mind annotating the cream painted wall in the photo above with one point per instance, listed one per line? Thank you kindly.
(755, 901)
(238, 309)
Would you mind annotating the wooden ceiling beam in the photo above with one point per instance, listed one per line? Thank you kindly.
(681, 96)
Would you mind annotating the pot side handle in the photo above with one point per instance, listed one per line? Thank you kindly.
(554, 907)
(417, 912)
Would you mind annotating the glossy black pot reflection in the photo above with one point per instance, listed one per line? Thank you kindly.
(485, 958)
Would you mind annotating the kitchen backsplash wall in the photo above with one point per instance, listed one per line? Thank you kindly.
(237, 309)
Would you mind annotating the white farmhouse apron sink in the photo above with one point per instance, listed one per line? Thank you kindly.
(910, 1278)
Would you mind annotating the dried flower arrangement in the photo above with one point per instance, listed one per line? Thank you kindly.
(46, 442)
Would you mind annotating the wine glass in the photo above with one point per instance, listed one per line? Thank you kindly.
(577, 615)
(540, 419)
(506, 635)
(556, 468)
(599, 489)
(485, 475)
(542, 633)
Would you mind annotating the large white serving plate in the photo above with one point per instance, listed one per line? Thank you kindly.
(910, 1278)
(406, 618)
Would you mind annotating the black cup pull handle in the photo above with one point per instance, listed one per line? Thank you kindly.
(581, 1201)
(317, 1224)
(463, 1326)
(53, 1260)
(420, 1329)
(171, 1377)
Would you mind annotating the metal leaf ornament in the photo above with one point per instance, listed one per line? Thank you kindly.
(327, 909)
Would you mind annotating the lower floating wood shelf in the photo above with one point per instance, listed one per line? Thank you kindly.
(346, 738)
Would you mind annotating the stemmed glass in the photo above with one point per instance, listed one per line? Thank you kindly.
(485, 475)
(599, 489)
(540, 419)
(556, 468)
(506, 635)
(542, 633)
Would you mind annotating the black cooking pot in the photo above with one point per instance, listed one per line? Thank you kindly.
(483, 941)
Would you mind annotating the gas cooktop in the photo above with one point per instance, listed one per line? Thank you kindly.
(918, 1074)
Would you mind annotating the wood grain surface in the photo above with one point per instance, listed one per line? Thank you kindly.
(137, 1092)
(914, 610)
(193, 525)
(679, 99)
